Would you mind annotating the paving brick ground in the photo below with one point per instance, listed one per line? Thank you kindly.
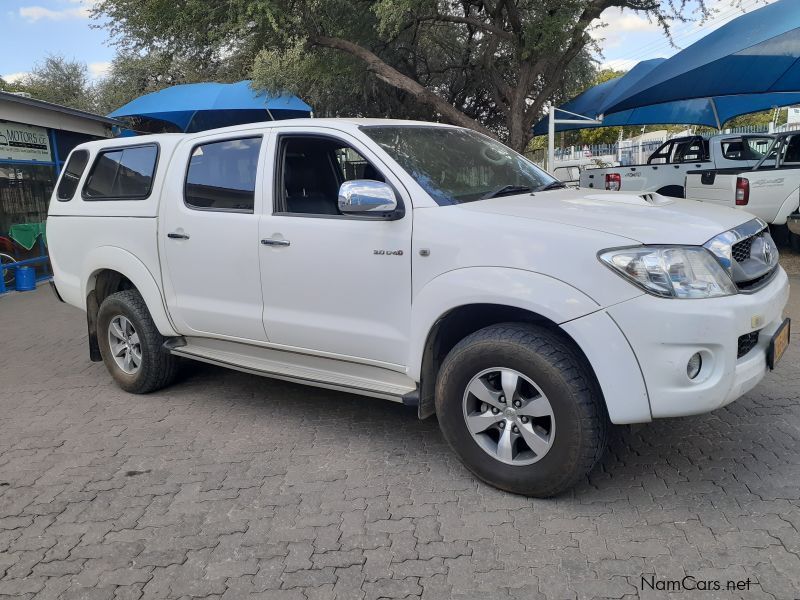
(233, 486)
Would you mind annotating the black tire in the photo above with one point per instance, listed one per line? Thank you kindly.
(794, 241)
(550, 360)
(158, 367)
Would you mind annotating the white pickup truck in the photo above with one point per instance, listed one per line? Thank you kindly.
(419, 263)
(770, 190)
(666, 169)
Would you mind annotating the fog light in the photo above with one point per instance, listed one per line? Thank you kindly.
(694, 365)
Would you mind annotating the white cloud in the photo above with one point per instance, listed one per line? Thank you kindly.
(615, 25)
(38, 13)
(13, 77)
(99, 69)
(627, 22)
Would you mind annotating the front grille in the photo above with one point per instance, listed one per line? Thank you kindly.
(751, 275)
(747, 342)
(741, 250)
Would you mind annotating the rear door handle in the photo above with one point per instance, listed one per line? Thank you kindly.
(273, 242)
(175, 235)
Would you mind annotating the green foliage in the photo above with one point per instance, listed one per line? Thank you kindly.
(487, 65)
(133, 74)
(61, 81)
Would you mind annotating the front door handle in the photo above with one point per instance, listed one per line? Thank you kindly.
(178, 235)
(273, 242)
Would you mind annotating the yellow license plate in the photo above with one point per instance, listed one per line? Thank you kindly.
(779, 344)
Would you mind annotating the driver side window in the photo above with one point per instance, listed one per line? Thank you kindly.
(310, 171)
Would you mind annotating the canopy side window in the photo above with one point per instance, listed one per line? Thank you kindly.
(72, 174)
(123, 173)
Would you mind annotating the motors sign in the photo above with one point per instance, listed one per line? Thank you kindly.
(24, 142)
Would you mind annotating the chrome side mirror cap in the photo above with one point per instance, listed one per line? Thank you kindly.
(366, 196)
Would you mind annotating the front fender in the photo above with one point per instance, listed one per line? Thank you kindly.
(122, 261)
(534, 292)
(599, 338)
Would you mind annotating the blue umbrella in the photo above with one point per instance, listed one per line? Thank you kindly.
(201, 106)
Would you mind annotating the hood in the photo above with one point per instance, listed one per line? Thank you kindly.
(647, 218)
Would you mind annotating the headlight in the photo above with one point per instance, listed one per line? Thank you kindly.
(671, 271)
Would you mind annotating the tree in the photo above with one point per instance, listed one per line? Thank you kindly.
(490, 65)
(133, 74)
(61, 81)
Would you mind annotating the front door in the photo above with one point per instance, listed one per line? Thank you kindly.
(333, 284)
(208, 236)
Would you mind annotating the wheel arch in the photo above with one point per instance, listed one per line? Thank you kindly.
(460, 302)
(110, 269)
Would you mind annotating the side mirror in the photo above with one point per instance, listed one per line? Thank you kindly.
(366, 196)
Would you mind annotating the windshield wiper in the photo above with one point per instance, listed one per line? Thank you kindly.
(507, 190)
(553, 185)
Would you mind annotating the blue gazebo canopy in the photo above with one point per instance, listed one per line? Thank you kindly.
(747, 65)
(201, 106)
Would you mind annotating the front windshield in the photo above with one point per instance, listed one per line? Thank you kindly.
(459, 165)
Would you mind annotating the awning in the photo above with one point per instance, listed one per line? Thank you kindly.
(756, 53)
(747, 65)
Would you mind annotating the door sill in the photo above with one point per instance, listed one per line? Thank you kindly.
(306, 369)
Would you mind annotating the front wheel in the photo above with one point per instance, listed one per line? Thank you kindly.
(522, 409)
(131, 346)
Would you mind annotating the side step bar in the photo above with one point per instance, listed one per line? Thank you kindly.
(300, 368)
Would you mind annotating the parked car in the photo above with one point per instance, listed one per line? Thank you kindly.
(769, 190)
(666, 169)
(423, 264)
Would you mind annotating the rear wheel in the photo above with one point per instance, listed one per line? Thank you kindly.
(131, 346)
(521, 409)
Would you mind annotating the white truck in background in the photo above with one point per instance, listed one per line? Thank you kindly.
(666, 169)
(770, 190)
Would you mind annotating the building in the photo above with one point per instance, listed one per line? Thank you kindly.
(35, 139)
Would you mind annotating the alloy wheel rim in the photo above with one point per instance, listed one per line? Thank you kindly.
(509, 416)
(124, 343)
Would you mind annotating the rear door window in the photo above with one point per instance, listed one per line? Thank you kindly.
(122, 174)
(73, 172)
(222, 175)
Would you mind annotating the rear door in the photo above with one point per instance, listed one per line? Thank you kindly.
(208, 236)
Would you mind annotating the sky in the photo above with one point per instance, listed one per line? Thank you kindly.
(32, 29)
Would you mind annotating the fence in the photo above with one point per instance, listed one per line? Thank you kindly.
(629, 152)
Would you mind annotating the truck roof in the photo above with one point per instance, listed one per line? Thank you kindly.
(338, 123)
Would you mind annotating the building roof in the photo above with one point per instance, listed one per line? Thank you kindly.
(41, 104)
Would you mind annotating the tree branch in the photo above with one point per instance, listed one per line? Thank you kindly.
(478, 24)
(396, 79)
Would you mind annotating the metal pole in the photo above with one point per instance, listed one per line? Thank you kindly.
(551, 137)
(716, 114)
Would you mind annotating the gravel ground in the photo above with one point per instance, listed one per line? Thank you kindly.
(790, 259)
(227, 486)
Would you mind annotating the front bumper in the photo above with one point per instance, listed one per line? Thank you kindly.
(665, 333)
